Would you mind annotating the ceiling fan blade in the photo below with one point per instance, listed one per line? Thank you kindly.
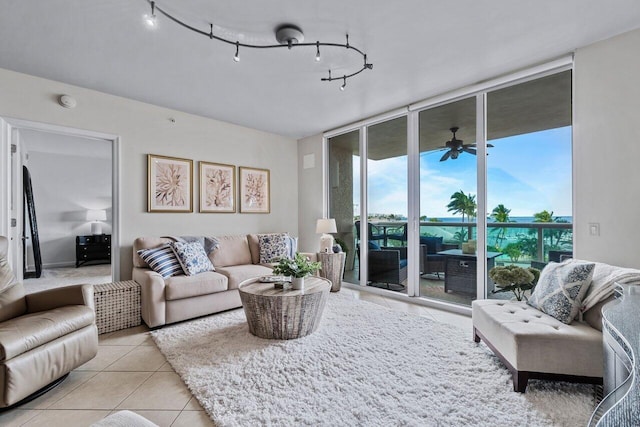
(445, 156)
(469, 150)
(490, 145)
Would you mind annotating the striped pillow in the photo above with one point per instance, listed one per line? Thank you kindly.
(162, 260)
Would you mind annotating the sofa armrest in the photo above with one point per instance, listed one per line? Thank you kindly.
(152, 297)
(402, 250)
(60, 297)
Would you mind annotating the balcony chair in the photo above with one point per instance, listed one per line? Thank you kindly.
(398, 233)
(430, 260)
(43, 335)
(386, 265)
(375, 234)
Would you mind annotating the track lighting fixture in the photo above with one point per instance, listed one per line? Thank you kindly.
(150, 19)
(287, 35)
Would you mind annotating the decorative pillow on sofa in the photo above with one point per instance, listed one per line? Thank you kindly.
(192, 257)
(292, 246)
(272, 247)
(162, 260)
(561, 288)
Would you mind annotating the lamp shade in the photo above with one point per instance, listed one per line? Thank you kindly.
(326, 225)
(96, 215)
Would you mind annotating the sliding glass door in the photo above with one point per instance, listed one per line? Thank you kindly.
(387, 205)
(448, 202)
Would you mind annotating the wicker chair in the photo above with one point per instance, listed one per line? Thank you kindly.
(430, 261)
(386, 265)
(374, 234)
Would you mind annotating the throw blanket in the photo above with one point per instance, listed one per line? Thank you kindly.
(209, 244)
(605, 277)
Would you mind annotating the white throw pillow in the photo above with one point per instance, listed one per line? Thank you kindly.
(561, 289)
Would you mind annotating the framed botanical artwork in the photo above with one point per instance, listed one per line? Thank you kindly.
(254, 190)
(169, 184)
(217, 187)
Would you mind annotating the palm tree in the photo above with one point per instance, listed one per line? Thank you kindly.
(463, 204)
(500, 214)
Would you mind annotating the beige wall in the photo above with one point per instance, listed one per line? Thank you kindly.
(310, 197)
(144, 129)
(607, 150)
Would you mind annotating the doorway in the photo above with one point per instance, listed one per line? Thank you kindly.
(74, 179)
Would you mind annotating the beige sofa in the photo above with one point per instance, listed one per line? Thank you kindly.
(43, 335)
(180, 298)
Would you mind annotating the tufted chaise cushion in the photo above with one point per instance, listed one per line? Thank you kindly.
(533, 341)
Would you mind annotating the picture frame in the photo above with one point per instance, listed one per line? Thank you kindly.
(217, 187)
(255, 190)
(169, 184)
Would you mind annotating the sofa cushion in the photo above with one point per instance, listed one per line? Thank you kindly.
(233, 250)
(533, 341)
(192, 257)
(24, 333)
(162, 260)
(209, 282)
(239, 273)
(433, 244)
(561, 288)
(273, 247)
(146, 243)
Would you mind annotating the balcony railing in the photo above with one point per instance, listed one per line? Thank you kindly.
(519, 241)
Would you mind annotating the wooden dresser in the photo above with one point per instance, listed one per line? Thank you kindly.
(95, 248)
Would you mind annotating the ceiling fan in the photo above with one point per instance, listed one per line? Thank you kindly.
(456, 146)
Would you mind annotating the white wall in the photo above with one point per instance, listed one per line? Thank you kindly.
(145, 129)
(607, 150)
(69, 176)
(311, 197)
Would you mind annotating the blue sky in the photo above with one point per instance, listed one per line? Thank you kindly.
(527, 173)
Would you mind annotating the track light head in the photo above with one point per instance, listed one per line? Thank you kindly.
(150, 19)
(318, 51)
(344, 83)
(236, 57)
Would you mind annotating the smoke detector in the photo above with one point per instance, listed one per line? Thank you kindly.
(67, 101)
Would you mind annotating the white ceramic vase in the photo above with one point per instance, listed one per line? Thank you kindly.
(297, 283)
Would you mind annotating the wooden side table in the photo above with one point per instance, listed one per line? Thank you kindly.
(332, 268)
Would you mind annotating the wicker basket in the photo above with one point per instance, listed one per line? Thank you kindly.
(117, 305)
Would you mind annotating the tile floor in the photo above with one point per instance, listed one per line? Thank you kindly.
(129, 372)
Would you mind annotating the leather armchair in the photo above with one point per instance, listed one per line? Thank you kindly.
(43, 336)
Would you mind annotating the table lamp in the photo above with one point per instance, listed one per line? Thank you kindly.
(96, 215)
(326, 226)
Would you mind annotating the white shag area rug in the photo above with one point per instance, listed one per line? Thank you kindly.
(364, 366)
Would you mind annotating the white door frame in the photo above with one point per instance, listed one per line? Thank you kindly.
(8, 128)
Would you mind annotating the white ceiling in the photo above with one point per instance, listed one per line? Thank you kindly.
(419, 48)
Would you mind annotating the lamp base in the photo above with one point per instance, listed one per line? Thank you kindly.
(96, 228)
(326, 243)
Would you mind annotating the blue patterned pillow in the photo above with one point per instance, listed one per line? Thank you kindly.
(162, 260)
(561, 288)
(272, 247)
(192, 257)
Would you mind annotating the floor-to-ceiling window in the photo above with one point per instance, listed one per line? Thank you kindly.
(529, 174)
(448, 201)
(523, 183)
(344, 196)
(387, 204)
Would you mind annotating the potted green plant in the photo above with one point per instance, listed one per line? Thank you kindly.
(298, 268)
(511, 278)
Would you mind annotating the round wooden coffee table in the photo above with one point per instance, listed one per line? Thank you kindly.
(283, 314)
